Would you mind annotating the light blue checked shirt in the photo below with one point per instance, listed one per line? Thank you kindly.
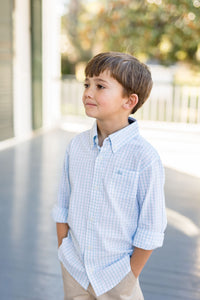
(112, 198)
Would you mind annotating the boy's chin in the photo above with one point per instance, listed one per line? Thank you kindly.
(89, 115)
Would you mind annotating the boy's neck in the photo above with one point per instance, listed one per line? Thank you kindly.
(105, 128)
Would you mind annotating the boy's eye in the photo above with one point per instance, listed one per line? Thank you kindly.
(99, 86)
(86, 85)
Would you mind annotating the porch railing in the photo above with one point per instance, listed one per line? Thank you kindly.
(168, 102)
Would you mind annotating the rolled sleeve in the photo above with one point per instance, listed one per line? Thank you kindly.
(152, 219)
(59, 214)
(148, 240)
(60, 210)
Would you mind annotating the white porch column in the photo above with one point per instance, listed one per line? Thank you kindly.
(22, 69)
(51, 62)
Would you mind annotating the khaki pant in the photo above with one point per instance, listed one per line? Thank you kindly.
(127, 289)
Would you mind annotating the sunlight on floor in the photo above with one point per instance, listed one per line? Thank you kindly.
(177, 144)
(182, 223)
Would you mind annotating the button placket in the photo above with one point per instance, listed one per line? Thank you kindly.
(93, 207)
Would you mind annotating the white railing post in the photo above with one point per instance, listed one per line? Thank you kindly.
(168, 102)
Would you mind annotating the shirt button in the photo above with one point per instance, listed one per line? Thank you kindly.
(91, 270)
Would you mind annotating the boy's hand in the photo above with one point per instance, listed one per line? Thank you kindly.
(138, 260)
(62, 231)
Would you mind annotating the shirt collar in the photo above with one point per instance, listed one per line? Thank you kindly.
(94, 135)
(118, 138)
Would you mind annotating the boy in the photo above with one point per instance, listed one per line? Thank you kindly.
(111, 211)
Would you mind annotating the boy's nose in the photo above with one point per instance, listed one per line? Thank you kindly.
(88, 93)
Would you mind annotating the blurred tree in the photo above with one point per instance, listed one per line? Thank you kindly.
(73, 25)
(164, 31)
(167, 31)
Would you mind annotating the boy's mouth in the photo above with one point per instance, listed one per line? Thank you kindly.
(90, 104)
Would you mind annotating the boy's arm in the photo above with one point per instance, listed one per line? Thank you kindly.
(139, 259)
(60, 209)
(62, 231)
(152, 217)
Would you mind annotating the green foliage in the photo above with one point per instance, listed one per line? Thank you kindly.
(74, 25)
(165, 31)
(66, 66)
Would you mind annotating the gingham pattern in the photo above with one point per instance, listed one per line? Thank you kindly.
(112, 198)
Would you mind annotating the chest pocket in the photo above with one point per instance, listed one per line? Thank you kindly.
(123, 184)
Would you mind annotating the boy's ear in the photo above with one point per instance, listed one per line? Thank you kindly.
(131, 102)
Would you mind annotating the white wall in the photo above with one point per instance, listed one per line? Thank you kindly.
(22, 66)
(22, 69)
(51, 63)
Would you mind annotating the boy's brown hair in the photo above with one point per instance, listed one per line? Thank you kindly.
(133, 75)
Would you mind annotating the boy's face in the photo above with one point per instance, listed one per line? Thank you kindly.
(103, 98)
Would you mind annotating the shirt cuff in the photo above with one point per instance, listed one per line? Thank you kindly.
(148, 240)
(59, 214)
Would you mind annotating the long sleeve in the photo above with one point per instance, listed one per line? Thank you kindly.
(152, 219)
(60, 210)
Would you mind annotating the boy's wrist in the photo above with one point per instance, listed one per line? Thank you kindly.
(135, 272)
(62, 232)
(138, 260)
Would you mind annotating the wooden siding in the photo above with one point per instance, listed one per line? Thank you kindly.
(6, 69)
(36, 45)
